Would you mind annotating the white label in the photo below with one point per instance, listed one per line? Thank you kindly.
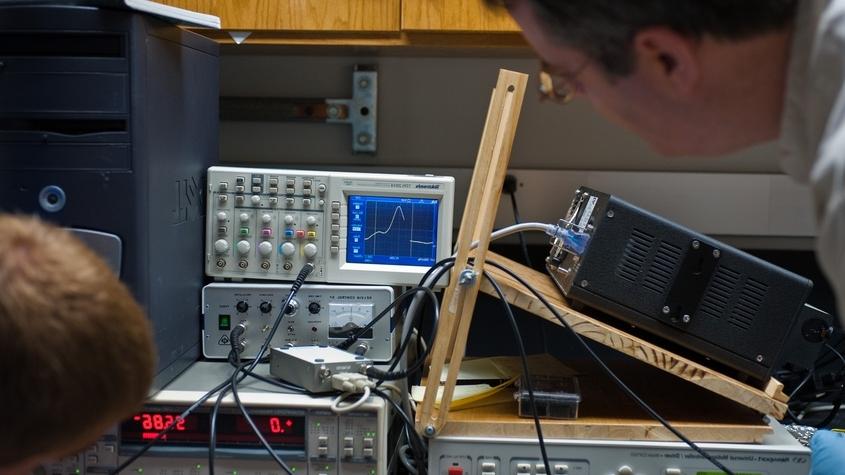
(588, 211)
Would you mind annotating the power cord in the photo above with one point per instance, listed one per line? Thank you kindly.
(525, 371)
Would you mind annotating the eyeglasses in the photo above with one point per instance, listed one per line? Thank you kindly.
(559, 87)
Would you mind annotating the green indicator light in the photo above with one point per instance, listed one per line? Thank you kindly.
(77, 471)
(234, 472)
(199, 466)
(293, 469)
(318, 424)
(327, 467)
(140, 470)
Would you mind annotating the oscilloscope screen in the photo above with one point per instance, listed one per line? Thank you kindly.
(393, 231)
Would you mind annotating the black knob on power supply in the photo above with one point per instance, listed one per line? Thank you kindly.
(242, 306)
(265, 307)
(314, 308)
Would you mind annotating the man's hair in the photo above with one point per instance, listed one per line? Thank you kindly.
(604, 29)
(77, 352)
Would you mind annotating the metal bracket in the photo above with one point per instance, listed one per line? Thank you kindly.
(360, 111)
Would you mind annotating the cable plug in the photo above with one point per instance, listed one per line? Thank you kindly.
(510, 184)
(351, 382)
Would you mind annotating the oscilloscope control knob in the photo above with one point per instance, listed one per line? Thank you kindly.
(242, 306)
(321, 188)
(265, 307)
(243, 247)
(310, 250)
(266, 218)
(221, 216)
(287, 249)
(311, 220)
(292, 307)
(244, 217)
(314, 308)
(221, 246)
(288, 219)
(265, 248)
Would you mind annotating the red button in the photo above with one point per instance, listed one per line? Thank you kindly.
(300, 233)
(456, 471)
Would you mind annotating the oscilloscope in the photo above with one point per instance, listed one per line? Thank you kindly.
(354, 227)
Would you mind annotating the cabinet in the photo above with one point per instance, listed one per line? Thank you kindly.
(446, 23)
(455, 15)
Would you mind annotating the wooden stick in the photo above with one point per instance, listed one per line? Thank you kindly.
(477, 223)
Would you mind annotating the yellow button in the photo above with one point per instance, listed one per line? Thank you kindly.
(312, 234)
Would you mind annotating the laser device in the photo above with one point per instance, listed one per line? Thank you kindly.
(312, 367)
(318, 315)
(704, 295)
(354, 227)
(301, 428)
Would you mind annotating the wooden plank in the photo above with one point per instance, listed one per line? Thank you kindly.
(455, 15)
(477, 224)
(626, 343)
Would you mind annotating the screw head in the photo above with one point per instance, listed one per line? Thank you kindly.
(717, 253)
(759, 358)
(696, 244)
(666, 309)
(686, 318)
(332, 111)
(430, 430)
(610, 213)
(364, 83)
(364, 138)
(584, 283)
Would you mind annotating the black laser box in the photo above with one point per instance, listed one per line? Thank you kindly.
(699, 293)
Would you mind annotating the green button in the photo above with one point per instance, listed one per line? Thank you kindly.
(244, 231)
(224, 322)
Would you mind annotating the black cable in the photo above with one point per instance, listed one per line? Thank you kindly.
(837, 403)
(417, 439)
(254, 428)
(525, 371)
(624, 387)
(520, 234)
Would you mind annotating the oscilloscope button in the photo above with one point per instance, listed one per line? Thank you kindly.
(274, 182)
(288, 233)
(300, 233)
(244, 217)
(256, 189)
(312, 234)
(256, 180)
(335, 228)
(311, 220)
(287, 249)
(321, 188)
(266, 233)
(221, 246)
(288, 219)
(273, 201)
(223, 199)
(223, 186)
(256, 199)
(334, 249)
(306, 183)
(243, 247)
(310, 250)
(239, 200)
(321, 203)
(239, 180)
(289, 201)
(239, 189)
(290, 182)
(306, 202)
(266, 218)
(274, 190)
(335, 217)
(221, 216)
(265, 248)
(335, 205)
(306, 192)
(289, 191)
(335, 239)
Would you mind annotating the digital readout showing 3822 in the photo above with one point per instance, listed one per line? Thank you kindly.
(394, 231)
(232, 429)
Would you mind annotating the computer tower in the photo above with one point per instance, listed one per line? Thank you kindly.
(108, 121)
(702, 295)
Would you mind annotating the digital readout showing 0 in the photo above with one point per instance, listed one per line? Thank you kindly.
(281, 431)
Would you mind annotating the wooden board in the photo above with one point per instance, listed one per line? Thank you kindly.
(455, 15)
(606, 413)
(773, 403)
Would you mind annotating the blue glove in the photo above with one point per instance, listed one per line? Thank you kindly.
(828, 453)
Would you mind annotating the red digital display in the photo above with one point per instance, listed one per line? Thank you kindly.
(233, 430)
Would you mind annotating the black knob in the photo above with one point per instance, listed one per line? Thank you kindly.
(314, 307)
(293, 306)
(242, 306)
(265, 307)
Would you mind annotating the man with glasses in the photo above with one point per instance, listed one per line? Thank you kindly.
(695, 77)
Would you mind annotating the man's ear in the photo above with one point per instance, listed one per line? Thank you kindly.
(667, 57)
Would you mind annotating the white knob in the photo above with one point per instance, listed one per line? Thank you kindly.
(221, 246)
(255, 199)
(625, 470)
(266, 219)
(321, 187)
(288, 219)
(311, 220)
(265, 248)
(310, 250)
(244, 217)
(221, 216)
(243, 247)
(288, 249)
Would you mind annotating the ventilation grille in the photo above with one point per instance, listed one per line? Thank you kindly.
(749, 303)
(636, 252)
(662, 268)
(718, 296)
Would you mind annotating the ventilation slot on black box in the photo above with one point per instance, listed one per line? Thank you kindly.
(749, 303)
(663, 268)
(636, 252)
(718, 295)
(70, 44)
